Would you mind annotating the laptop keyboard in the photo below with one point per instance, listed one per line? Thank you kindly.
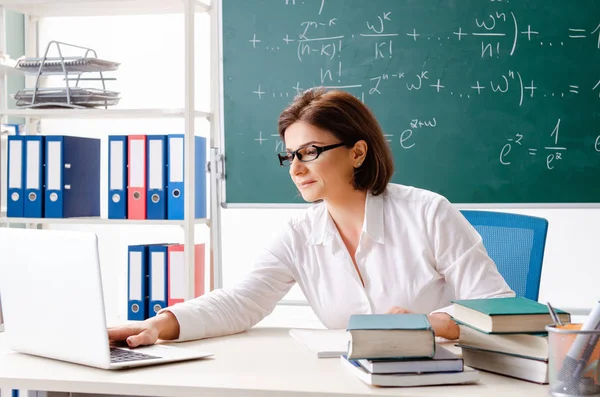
(120, 355)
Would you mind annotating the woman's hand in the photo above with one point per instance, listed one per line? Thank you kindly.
(137, 334)
(164, 326)
(442, 323)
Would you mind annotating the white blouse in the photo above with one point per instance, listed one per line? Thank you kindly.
(415, 251)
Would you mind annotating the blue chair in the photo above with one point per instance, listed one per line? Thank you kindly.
(516, 244)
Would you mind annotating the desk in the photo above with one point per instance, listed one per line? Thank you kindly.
(263, 362)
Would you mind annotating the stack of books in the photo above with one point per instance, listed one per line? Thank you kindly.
(506, 336)
(400, 350)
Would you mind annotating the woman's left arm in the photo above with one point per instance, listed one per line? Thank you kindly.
(463, 261)
(461, 257)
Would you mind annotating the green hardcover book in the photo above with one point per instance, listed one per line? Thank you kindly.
(397, 336)
(506, 315)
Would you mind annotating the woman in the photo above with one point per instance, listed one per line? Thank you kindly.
(368, 246)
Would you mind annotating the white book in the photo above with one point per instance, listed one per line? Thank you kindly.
(325, 343)
(468, 375)
(507, 364)
(528, 345)
(443, 361)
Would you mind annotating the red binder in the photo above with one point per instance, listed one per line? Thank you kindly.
(136, 177)
(176, 273)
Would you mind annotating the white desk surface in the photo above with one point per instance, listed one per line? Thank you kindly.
(259, 362)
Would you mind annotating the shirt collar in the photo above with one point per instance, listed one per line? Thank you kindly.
(324, 229)
(373, 223)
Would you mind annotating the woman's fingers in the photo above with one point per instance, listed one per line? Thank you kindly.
(121, 333)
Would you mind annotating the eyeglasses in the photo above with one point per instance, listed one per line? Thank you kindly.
(305, 154)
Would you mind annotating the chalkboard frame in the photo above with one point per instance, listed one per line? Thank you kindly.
(462, 204)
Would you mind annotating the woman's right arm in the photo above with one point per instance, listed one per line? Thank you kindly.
(224, 311)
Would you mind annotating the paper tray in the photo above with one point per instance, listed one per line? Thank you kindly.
(55, 65)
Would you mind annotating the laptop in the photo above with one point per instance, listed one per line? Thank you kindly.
(53, 304)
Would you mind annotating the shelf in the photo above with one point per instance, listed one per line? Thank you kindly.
(10, 71)
(58, 8)
(96, 221)
(99, 113)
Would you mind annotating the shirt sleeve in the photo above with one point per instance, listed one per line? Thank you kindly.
(231, 310)
(461, 257)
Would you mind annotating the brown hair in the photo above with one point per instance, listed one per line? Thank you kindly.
(349, 120)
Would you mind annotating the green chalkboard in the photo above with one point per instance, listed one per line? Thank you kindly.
(483, 101)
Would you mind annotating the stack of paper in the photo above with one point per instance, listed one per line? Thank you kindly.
(324, 343)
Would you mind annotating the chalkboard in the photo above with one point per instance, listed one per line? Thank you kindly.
(483, 101)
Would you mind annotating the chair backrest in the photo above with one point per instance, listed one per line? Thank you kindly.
(516, 244)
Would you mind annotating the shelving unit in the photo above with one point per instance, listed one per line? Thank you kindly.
(10, 71)
(35, 9)
(100, 113)
(98, 221)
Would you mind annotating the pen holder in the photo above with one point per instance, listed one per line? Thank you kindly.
(573, 358)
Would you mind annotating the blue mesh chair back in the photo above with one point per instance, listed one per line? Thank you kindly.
(516, 244)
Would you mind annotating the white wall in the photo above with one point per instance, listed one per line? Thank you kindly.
(151, 75)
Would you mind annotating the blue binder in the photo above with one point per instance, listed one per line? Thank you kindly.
(33, 206)
(176, 172)
(72, 177)
(117, 177)
(158, 280)
(15, 180)
(137, 286)
(156, 168)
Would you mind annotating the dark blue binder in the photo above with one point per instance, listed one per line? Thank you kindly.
(16, 179)
(158, 278)
(72, 177)
(117, 177)
(156, 180)
(137, 286)
(33, 206)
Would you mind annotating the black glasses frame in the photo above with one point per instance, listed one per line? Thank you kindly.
(296, 153)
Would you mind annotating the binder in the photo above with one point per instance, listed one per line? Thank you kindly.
(136, 190)
(117, 177)
(156, 205)
(33, 206)
(158, 280)
(16, 163)
(137, 286)
(72, 177)
(177, 279)
(175, 182)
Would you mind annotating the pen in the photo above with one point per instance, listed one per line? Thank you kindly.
(554, 315)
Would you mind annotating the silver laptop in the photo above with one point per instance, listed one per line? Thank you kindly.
(53, 303)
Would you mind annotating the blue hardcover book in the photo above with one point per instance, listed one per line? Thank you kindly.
(376, 336)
